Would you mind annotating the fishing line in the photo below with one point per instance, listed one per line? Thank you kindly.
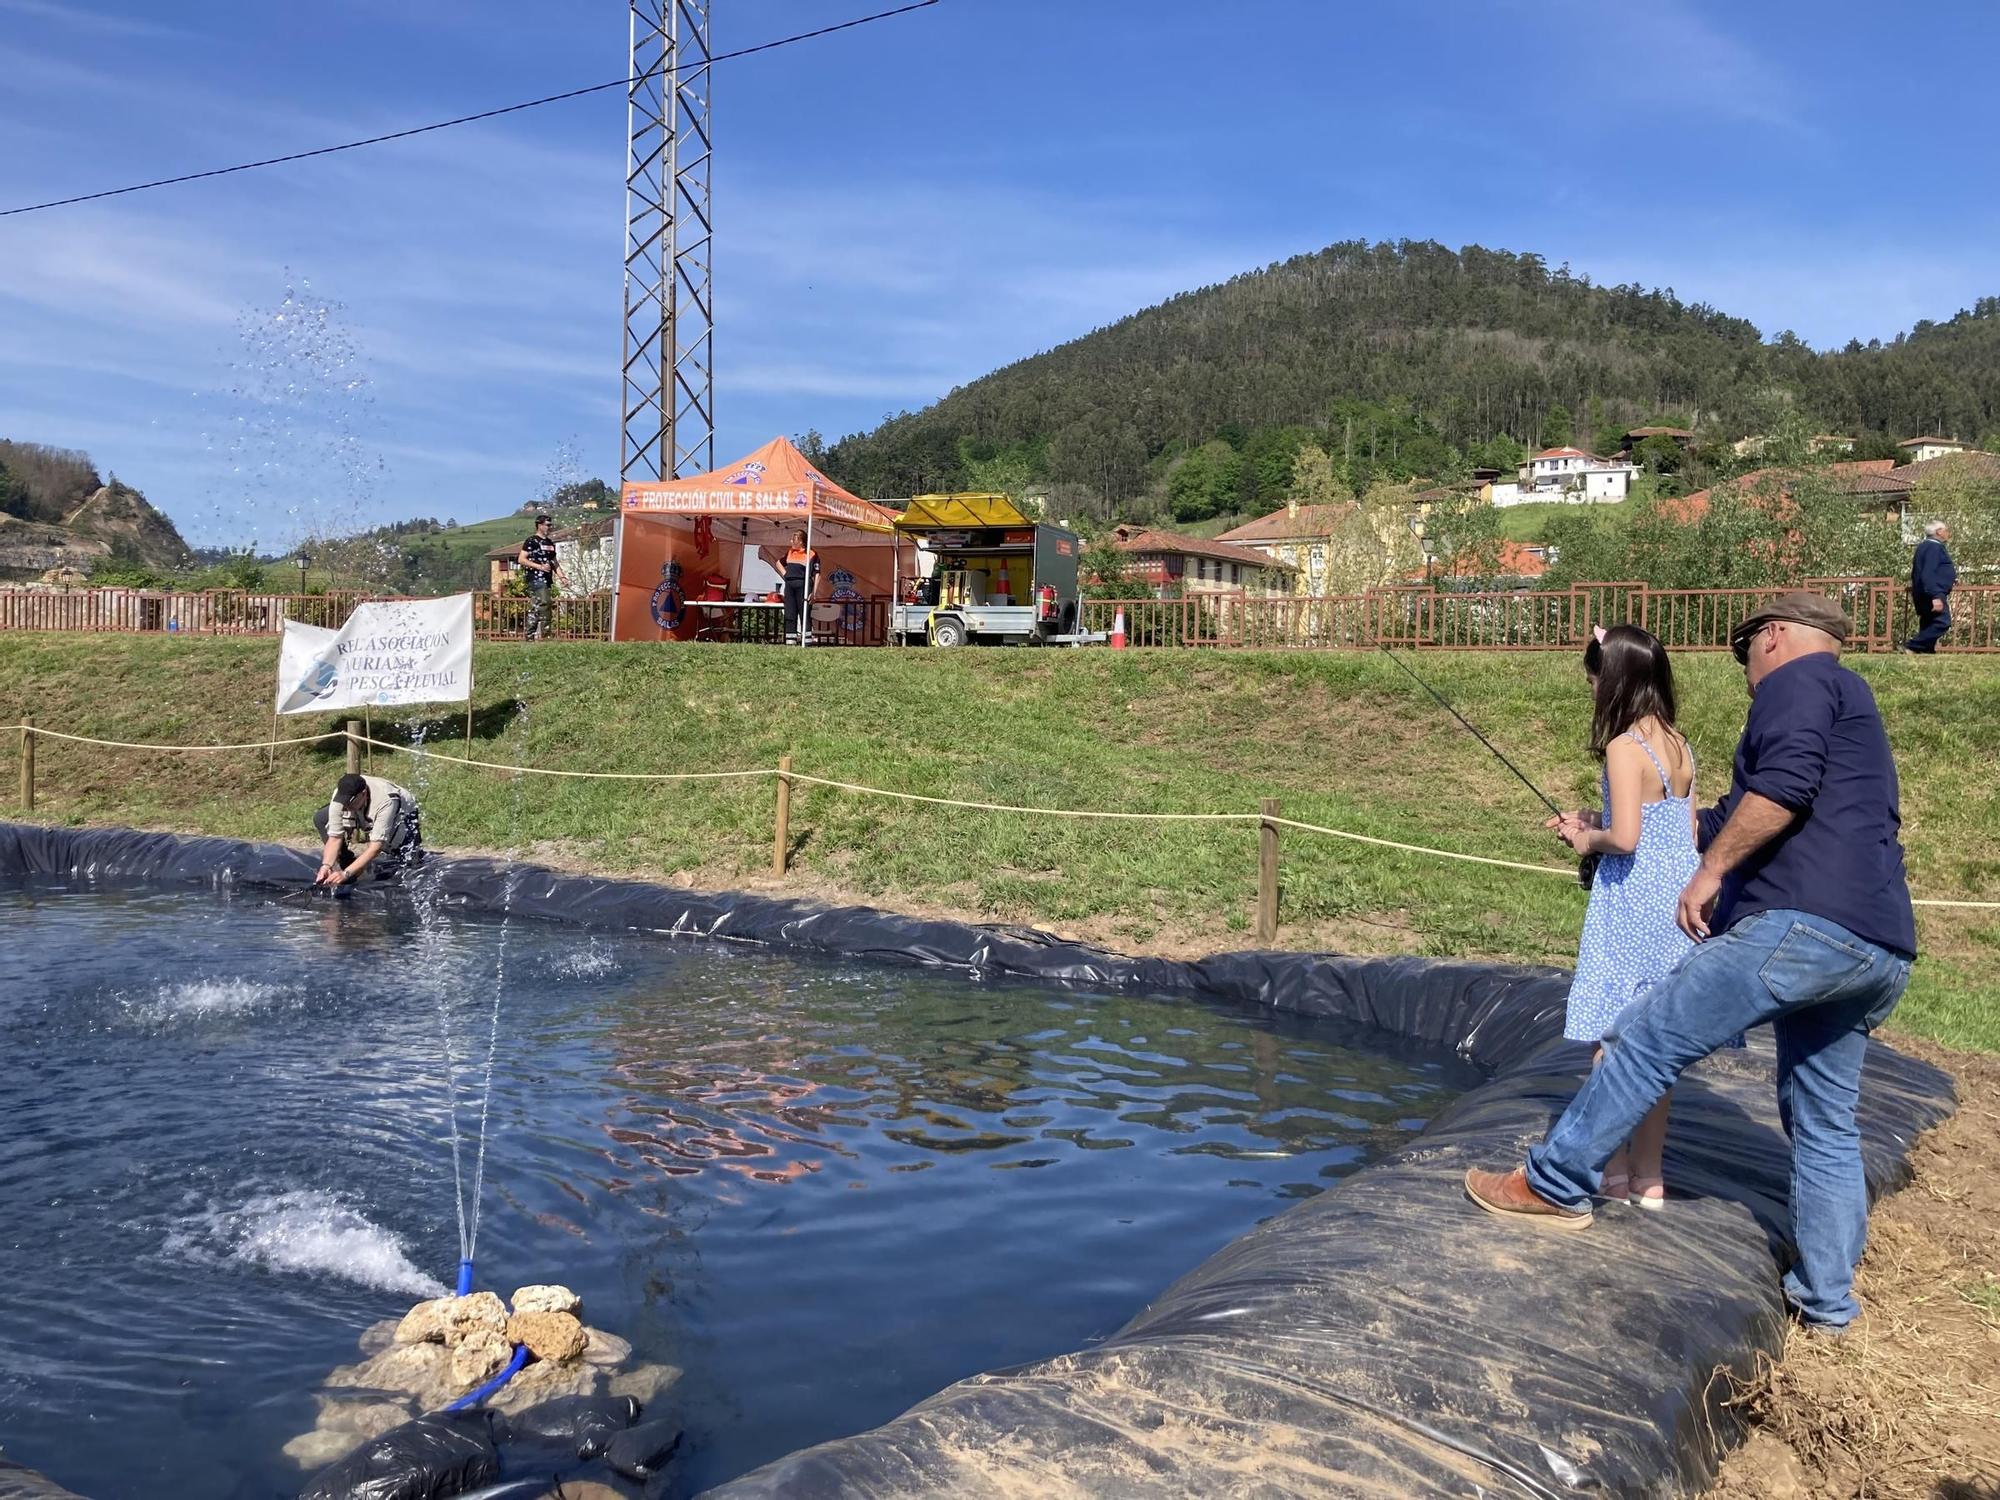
(1472, 729)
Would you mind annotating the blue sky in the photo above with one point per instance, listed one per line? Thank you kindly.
(898, 209)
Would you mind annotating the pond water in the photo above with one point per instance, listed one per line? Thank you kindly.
(823, 1189)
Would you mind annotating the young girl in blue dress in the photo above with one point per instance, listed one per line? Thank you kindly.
(1644, 841)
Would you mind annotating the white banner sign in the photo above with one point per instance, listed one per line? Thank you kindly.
(405, 651)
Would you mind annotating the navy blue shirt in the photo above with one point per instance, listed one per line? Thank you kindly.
(1932, 572)
(1815, 746)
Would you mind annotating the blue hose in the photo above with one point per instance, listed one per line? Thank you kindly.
(474, 1397)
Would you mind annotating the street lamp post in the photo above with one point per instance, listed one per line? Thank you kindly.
(305, 562)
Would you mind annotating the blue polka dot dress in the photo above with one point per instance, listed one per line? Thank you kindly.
(1630, 937)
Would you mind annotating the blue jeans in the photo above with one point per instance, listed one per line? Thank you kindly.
(1823, 990)
(1931, 624)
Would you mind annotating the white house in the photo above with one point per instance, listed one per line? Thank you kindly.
(1918, 450)
(1568, 474)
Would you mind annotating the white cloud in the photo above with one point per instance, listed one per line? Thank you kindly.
(1662, 55)
(77, 17)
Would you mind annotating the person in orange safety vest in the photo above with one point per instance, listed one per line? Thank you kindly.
(801, 577)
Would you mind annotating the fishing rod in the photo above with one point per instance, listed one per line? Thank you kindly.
(1473, 730)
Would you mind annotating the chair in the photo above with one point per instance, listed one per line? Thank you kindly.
(826, 622)
(714, 624)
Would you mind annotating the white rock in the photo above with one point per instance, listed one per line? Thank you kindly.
(420, 1371)
(363, 1418)
(482, 1312)
(544, 1381)
(605, 1348)
(449, 1319)
(314, 1450)
(378, 1336)
(643, 1382)
(478, 1357)
(422, 1324)
(547, 1299)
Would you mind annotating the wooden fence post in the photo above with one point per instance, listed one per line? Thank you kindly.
(354, 747)
(27, 762)
(1267, 874)
(781, 837)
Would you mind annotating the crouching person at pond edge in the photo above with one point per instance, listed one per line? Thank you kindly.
(1801, 917)
(381, 816)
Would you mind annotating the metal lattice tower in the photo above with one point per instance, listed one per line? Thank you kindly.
(668, 400)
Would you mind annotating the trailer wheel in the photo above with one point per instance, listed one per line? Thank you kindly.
(948, 632)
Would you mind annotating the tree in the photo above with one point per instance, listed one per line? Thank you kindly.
(1372, 543)
(1499, 452)
(1556, 428)
(46, 484)
(1315, 480)
(1106, 571)
(1205, 483)
(1659, 455)
(14, 497)
(1464, 534)
(1373, 346)
(1013, 470)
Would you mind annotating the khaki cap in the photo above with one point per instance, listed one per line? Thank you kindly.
(1799, 607)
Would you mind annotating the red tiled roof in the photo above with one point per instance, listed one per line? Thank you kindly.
(1523, 560)
(1919, 442)
(1858, 476)
(1973, 463)
(1173, 543)
(1282, 526)
(1564, 453)
(1514, 560)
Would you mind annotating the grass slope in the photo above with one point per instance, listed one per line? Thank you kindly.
(1529, 522)
(1343, 739)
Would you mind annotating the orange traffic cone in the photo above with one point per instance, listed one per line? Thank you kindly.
(1118, 629)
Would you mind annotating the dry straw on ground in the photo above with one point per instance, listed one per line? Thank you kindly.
(1909, 1404)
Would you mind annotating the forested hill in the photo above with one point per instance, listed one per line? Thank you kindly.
(1453, 349)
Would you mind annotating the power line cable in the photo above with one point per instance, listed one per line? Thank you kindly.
(487, 114)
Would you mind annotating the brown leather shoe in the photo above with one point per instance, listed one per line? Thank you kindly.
(1508, 1194)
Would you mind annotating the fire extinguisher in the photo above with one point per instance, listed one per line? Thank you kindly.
(1045, 602)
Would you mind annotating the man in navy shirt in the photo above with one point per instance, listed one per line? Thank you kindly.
(1801, 918)
(1932, 575)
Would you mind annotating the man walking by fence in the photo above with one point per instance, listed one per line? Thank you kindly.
(542, 572)
(1932, 575)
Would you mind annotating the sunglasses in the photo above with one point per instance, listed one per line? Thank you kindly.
(1741, 649)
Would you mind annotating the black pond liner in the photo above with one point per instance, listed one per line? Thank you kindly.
(1383, 1338)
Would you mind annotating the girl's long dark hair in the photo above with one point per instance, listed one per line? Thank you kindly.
(1634, 681)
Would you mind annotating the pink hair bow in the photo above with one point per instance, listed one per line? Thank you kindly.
(1597, 633)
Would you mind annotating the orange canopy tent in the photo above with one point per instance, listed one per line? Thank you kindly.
(675, 535)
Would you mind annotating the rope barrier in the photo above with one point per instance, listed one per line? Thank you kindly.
(1567, 872)
(1038, 812)
(84, 739)
(494, 765)
(860, 789)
